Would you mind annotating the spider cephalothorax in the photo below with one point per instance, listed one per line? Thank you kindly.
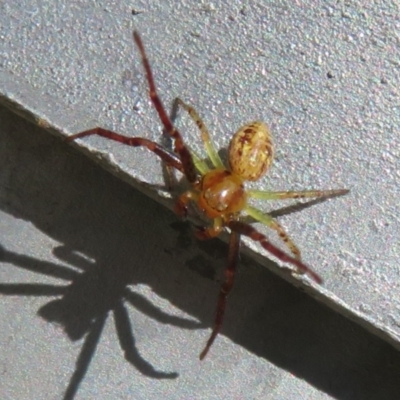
(219, 191)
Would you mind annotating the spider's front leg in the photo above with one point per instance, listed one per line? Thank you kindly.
(169, 158)
(185, 156)
(183, 161)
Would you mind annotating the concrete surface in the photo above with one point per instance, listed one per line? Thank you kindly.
(324, 77)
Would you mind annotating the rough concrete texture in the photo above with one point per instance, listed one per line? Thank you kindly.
(324, 76)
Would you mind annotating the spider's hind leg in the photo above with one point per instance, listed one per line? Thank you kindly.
(266, 195)
(247, 230)
(267, 220)
(230, 272)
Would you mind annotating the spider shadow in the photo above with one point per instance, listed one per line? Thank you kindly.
(83, 305)
(90, 291)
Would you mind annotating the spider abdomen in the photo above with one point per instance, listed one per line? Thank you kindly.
(251, 151)
(222, 192)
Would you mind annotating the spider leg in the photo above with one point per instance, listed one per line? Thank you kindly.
(180, 147)
(226, 287)
(252, 233)
(181, 205)
(211, 151)
(267, 220)
(200, 164)
(169, 158)
(203, 233)
(265, 195)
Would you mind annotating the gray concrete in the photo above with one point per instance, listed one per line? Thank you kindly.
(324, 77)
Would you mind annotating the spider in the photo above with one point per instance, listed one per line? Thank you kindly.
(218, 190)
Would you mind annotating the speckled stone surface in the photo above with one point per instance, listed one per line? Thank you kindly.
(324, 77)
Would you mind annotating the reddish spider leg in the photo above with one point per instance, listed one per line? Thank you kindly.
(180, 147)
(185, 162)
(230, 272)
(240, 228)
(169, 158)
